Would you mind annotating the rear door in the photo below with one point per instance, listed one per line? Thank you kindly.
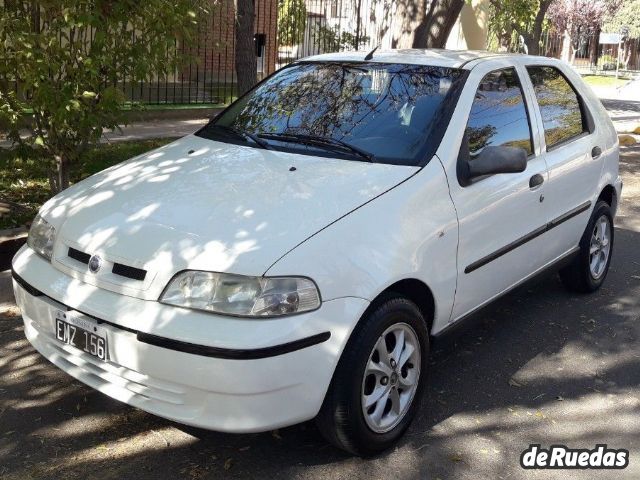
(572, 148)
(500, 216)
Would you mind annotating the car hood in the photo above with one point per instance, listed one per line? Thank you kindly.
(206, 205)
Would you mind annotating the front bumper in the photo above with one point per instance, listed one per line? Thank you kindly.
(233, 375)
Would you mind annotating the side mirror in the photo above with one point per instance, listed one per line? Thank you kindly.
(494, 159)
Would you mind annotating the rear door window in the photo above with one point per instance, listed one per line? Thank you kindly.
(499, 114)
(559, 105)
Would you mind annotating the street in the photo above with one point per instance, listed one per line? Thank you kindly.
(541, 366)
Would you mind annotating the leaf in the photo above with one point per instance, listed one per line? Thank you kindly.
(39, 141)
(456, 457)
(228, 463)
(89, 95)
(514, 383)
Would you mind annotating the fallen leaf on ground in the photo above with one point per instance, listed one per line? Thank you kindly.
(456, 457)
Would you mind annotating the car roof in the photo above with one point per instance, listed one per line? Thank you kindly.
(416, 56)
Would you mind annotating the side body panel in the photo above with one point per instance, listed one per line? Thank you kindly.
(495, 213)
(575, 176)
(409, 232)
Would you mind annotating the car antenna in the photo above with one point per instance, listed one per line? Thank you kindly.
(370, 54)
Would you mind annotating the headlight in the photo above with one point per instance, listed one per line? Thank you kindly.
(242, 296)
(41, 237)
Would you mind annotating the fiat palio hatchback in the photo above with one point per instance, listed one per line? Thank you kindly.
(294, 258)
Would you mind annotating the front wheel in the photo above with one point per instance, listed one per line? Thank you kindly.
(377, 385)
(588, 270)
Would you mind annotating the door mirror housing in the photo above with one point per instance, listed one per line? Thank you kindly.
(492, 160)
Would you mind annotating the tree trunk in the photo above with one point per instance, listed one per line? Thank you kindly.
(59, 180)
(425, 23)
(593, 48)
(533, 40)
(626, 53)
(566, 46)
(435, 27)
(245, 52)
(407, 17)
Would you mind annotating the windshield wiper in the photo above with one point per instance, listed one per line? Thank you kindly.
(318, 141)
(243, 134)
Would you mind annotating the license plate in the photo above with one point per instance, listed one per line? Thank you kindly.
(82, 333)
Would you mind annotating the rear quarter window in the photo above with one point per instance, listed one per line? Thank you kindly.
(559, 105)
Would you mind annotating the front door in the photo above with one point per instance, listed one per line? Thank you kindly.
(501, 217)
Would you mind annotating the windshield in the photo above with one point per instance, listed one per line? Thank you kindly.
(387, 113)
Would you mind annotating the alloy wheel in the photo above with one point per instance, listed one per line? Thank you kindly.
(391, 377)
(600, 247)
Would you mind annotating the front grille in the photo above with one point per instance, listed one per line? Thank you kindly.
(129, 272)
(118, 268)
(79, 256)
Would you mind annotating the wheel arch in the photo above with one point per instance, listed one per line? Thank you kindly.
(413, 289)
(609, 195)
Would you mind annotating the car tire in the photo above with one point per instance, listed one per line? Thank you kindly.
(587, 271)
(346, 419)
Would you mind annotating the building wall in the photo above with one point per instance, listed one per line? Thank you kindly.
(215, 48)
(470, 30)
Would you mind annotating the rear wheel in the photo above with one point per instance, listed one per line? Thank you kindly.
(588, 270)
(377, 384)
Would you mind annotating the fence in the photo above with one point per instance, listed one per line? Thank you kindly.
(591, 53)
(306, 27)
(210, 77)
(286, 30)
(309, 27)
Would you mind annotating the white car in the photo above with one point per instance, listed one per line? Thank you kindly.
(295, 258)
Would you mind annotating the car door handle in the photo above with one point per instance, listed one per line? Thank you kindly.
(536, 181)
(596, 152)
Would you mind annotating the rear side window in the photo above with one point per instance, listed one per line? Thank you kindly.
(559, 105)
(498, 114)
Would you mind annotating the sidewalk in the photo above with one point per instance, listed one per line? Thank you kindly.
(155, 129)
(169, 128)
(625, 114)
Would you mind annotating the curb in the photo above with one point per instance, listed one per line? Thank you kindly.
(145, 115)
(626, 140)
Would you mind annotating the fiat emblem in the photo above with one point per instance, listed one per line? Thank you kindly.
(95, 263)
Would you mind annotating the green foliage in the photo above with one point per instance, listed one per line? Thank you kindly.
(331, 39)
(292, 20)
(608, 62)
(24, 175)
(627, 16)
(605, 80)
(506, 17)
(64, 62)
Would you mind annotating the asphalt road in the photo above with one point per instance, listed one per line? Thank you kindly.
(543, 366)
